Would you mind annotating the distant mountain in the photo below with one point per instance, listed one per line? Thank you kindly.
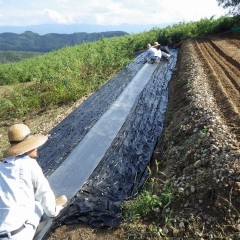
(30, 41)
(73, 28)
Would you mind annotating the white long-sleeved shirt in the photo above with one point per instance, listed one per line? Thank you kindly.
(22, 182)
(152, 52)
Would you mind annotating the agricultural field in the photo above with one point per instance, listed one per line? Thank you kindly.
(194, 186)
(198, 154)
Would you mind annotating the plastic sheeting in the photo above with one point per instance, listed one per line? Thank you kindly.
(88, 153)
(122, 170)
(67, 134)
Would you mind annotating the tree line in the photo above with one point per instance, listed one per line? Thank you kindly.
(232, 5)
(33, 42)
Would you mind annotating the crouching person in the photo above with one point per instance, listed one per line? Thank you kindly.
(152, 55)
(25, 194)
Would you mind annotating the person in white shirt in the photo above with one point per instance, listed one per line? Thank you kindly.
(25, 194)
(152, 55)
(164, 50)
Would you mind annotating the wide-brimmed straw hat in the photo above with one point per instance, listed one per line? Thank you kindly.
(156, 44)
(21, 140)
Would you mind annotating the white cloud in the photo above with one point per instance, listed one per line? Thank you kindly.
(110, 12)
(59, 18)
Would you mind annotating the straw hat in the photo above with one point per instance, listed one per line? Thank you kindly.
(156, 44)
(21, 140)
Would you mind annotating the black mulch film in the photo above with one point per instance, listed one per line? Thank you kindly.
(67, 134)
(122, 172)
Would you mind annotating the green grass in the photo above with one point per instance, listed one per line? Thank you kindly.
(148, 216)
(156, 196)
(63, 76)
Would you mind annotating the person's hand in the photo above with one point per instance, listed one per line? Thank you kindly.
(58, 209)
(61, 200)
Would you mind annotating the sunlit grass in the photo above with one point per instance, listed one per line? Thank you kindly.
(66, 75)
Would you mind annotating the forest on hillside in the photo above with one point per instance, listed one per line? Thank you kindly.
(33, 42)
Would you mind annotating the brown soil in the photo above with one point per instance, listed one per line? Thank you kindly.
(198, 153)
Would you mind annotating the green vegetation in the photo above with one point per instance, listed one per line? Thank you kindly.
(149, 202)
(151, 208)
(29, 41)
(14, 56)
(61, 76)
(232, 5)
(65, 75)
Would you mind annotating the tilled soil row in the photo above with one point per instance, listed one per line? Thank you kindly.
(223, 79)
(235, 42)
(199, 152)
(226, 63)
(228, 49)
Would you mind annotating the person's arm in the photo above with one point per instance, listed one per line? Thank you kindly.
(146, 57)
(44, 193)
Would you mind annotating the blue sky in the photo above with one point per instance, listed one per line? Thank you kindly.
(105, 12)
